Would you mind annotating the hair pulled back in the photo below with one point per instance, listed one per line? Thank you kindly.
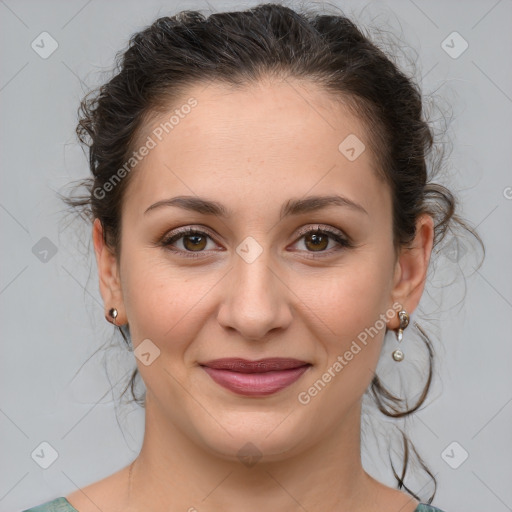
(240, 48)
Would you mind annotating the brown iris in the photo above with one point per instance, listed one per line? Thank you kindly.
(317, 240)
(197, 243)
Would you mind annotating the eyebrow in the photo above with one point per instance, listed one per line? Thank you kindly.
(291, 207)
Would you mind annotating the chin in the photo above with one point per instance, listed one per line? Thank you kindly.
(254, 436)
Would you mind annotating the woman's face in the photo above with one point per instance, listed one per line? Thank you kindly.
(255, 283)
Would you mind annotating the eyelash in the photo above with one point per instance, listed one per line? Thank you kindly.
(344, 243)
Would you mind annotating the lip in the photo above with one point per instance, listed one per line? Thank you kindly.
(255, 378)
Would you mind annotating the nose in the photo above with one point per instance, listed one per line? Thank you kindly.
(256, 298)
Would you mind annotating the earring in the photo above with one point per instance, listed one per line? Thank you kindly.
(397, 354)
(113, 314)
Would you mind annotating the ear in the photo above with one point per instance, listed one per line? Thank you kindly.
(108, 273)
(411, 268)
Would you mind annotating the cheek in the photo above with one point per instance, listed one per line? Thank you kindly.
(351, 309)
(349, 299)
(164, 303)
(163, 306)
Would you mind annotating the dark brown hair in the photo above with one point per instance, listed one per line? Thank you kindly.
(239, 48)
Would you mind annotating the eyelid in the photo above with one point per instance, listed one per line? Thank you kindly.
(302, 231)
(321, 227)
(185, 230)
(337, 235)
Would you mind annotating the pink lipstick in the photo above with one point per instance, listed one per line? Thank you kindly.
(255, 378)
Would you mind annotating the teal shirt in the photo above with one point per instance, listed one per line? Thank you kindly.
(63, 505)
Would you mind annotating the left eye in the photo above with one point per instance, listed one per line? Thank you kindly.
(319, 239)
(195, 241)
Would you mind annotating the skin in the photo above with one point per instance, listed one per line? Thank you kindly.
(253, 149)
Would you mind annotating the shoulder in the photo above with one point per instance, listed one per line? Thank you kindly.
(423, 507)
(57, 505)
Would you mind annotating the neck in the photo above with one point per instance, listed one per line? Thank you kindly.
(174, 471)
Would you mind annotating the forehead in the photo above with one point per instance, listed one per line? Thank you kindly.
(267, 138)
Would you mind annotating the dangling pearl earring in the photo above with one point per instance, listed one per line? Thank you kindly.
(397, 354)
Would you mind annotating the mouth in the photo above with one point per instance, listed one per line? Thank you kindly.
(255, 378)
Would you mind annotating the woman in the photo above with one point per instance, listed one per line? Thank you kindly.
(262, 217)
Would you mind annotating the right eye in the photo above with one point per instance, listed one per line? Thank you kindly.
(193, 240)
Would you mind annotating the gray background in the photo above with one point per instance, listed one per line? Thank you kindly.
(51, 310)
